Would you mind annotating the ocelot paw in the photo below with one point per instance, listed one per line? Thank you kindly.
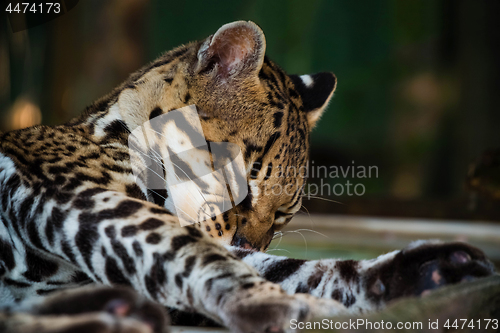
(103, 310)
(266, 308)
(426, 265)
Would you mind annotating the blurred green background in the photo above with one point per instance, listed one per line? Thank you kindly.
(417, 92)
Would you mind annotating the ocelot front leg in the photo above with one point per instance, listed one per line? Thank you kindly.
(118, 240)
(368, 285)
(95, 309)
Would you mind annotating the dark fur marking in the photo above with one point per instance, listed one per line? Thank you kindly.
(162, 211)
(157, 111)
(350, 300)
(348, 269)
(56, 283)
(256, 167)
(7, 255)
(80, 277)
(246, 204)
(34, 235)
(158, 195)
(103, 180)
(313, 97)
(251, 148)
(278, 117)
(43, 292)
(57, 218)
(115, 130)
(178, 280)
(193, 231)
(151, 224)
(189, 265)
(269, 169)
(134, 191)
(57, 170)
(181, 241)
(248, 285)
(114, 273)
(72, 184)
(315, 278)
(137, 248)
(59, 180)
(83, 200)
(24, 209)
(337, 295)
(66, 248)
(213, 257)
(86, 236)
(157, 270)
(129, 231)
(38, 267)
(121, 252)
(151, 286)
(302, 289)
(15, 283)
(274, 137)
(153, 238)
(281, 270)
(110, 232)
(49, 232)
(124, 209)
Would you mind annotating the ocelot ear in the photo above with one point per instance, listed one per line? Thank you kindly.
(316, 90)
(236, 49)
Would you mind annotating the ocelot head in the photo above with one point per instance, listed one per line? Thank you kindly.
(241, 98)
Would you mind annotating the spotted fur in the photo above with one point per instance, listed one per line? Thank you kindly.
(74, 214)
(368, 285)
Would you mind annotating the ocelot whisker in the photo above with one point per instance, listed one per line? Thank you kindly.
(321, 198)
(270, 250)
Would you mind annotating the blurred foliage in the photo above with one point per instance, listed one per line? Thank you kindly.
(417, 80)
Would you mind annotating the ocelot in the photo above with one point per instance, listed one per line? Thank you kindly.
(87, 246)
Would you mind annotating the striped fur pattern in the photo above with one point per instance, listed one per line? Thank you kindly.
(73, 215)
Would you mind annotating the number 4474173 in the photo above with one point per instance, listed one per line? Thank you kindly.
(26, 7)
(480, 324)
